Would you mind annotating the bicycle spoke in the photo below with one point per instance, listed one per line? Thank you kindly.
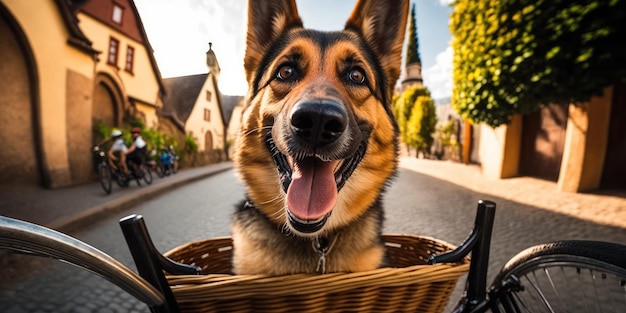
(554, 289)
(540, 293)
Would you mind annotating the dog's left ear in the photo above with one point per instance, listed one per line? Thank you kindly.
(382, 23)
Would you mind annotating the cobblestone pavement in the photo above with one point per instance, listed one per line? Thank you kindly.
(603, 207)
(430, 198)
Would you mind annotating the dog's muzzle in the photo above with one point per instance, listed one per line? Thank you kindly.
(323, 148)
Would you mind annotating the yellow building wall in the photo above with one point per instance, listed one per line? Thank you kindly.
(235, 123)
(196, 123)
(586, 144)
(499, 149)
(149, 112)
(47, 35)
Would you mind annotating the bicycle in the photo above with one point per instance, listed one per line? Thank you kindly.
(140, 172)
(167, 163)
(542, 278)
(108, 172)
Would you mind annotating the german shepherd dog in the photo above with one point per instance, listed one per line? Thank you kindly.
(318, 143)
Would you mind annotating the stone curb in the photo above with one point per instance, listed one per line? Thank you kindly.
(68, 223)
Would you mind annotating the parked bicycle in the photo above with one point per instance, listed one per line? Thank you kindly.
(167, 162)
(109, 171)
(564, 276)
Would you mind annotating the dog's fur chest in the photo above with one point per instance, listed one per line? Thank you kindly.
(265, 247)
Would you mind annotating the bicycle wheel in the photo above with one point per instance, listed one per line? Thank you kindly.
(147, 174)
(564, 276)
(174, 166)
(122, 180)
(160, 170)
(104, 174)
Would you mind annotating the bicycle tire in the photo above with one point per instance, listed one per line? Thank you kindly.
(563, 276)
(104, 175)
(147, 175)
(160, 170)
(174, 166)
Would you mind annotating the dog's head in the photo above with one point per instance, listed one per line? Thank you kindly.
(318, 139)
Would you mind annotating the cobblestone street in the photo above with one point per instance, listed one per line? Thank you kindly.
(430, 198)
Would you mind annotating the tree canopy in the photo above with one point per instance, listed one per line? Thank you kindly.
(415, 113)
(513, 56)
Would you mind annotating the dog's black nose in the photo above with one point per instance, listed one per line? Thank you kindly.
(319, 121)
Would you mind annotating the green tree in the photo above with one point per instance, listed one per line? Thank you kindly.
(511, 57)
(412, 50)
(403, 106)
(415, 123)
(421, 125)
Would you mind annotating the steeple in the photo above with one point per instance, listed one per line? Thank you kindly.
(211, 61)
(413, 65)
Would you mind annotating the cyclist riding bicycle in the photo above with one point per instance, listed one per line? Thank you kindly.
(118, 147)
(136, 154)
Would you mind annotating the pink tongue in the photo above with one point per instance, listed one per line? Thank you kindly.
(313, 191)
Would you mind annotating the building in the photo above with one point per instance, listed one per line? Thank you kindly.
(412, 74)
(127, 79)
(194, 105)
(63, 65)
(581, 146)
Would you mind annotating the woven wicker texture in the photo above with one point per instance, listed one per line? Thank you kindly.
(409, 285)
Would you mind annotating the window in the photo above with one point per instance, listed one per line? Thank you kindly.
(208, 96)
(114, 46)
(207, 115)
(130, 55)
(118, 12)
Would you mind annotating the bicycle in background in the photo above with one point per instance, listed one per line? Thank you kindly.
(109, 171)
(167, 163)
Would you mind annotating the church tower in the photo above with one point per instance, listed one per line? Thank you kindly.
(211, 62)
(413, 65)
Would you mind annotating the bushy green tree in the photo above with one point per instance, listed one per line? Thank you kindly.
(415, 114)
(421, 125)
(513, 56)
(403, 106)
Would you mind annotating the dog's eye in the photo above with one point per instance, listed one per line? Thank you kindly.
(286, 72)
(356, 75)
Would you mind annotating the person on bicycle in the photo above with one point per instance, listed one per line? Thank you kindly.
(136, 154)
(118, 147)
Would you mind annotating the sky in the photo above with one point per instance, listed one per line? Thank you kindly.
(180, 31)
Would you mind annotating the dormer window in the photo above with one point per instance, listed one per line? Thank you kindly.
(118, 12)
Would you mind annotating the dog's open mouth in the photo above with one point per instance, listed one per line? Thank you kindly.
(312, 185)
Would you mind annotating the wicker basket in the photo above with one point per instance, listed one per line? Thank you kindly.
(409, 286)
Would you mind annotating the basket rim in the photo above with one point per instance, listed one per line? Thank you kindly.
(384, 235)
(229, 286)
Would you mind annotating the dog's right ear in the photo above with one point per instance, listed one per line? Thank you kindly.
(267, 20)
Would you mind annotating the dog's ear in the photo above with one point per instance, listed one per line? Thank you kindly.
(267, 20)
(382, 23)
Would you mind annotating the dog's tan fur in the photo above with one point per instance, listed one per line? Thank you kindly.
(370, 46)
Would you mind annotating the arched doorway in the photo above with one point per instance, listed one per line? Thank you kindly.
(208, 143)
(19, 132)
(108, 102)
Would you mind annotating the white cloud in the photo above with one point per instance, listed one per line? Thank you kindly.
(446, 2)
(438, 78)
